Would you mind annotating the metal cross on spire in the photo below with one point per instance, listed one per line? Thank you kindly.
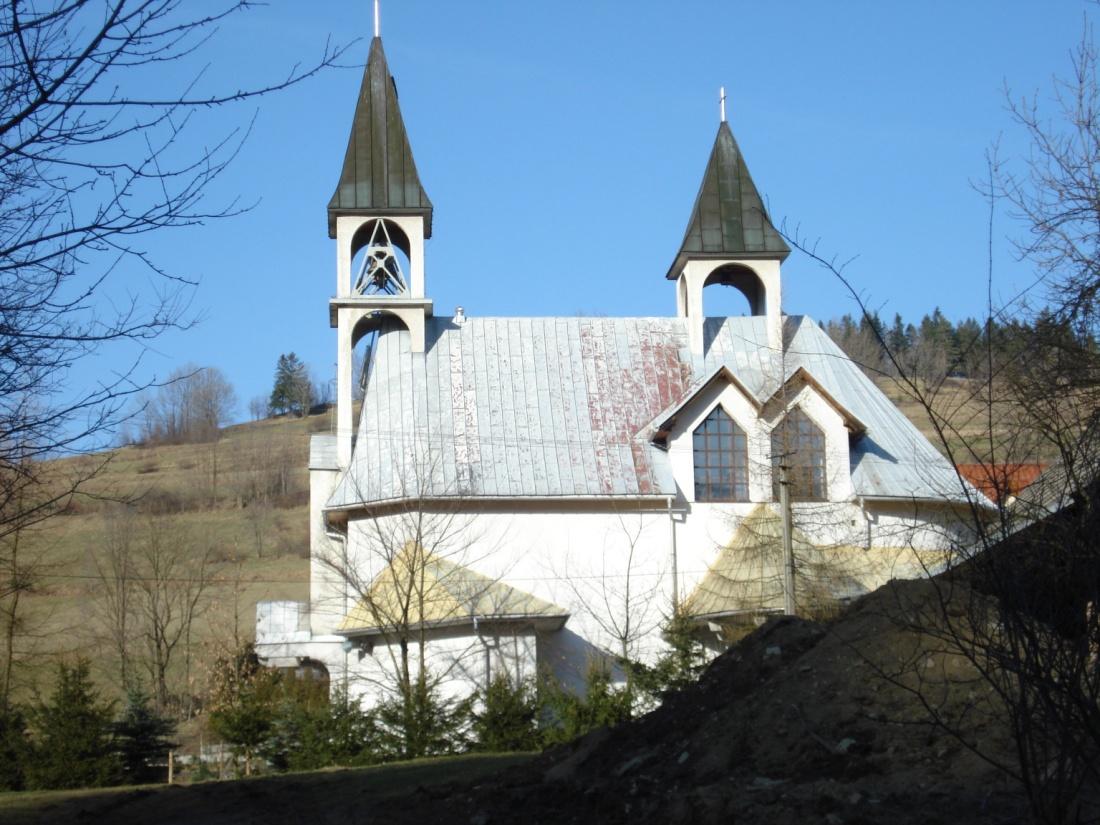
(722, 103)
(377, 20)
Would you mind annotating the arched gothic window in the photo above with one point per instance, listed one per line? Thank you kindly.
(799, 443)
(721, 453)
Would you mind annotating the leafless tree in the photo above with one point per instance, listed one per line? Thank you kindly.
(258, 408)
(191, 406)
(154, 578)
(90, 165)
(616, 584)
(115, 565)
(408, 576)
(1018, 603)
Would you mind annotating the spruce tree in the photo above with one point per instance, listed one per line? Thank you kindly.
(143, 739)
(291, 392)
(72, 744)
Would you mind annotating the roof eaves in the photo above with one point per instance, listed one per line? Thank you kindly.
(659, 427)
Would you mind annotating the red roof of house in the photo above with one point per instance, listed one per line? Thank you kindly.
(998, 481)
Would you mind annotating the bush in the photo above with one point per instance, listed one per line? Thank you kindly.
(142, 741)
(422, 723)
(13, 749)
(72, 743)
(306, 737)
(507, 720)
(678, 667)
(567, 715)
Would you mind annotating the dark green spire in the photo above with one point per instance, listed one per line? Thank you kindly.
(728, 219)
(379, 175)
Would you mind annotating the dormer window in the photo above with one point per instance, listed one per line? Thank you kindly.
(721, 453)
(799, 444)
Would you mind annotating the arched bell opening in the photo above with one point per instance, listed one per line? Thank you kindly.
(381, 262)
(364, 337)
(744, 281)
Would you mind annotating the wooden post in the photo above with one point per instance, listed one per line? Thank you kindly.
(171, 766)
(788, 544)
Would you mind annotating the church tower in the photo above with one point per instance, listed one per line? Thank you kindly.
(729, 241)
(379, 209)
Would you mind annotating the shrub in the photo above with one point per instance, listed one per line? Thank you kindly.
(567, 715)
(142, 741)
(420, 722)
(507, 719)
(13, 749)
(305, 736)
(72, 745)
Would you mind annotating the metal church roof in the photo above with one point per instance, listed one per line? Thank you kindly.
(728, 219)
(379, 174)
(564, 408)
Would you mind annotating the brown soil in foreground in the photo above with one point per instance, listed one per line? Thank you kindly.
(800, 722)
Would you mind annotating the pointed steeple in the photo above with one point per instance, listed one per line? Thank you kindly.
(728, 220)
(379, 175)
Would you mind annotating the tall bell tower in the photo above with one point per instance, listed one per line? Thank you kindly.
(729, 241)
(378, 209)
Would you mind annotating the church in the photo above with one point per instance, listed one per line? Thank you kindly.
(535, 496)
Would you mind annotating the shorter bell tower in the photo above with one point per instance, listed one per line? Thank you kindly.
(730, 241)
(380, 217)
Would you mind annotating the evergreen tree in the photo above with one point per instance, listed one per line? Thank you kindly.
(422, 723)
(507, 719)
(13, 749)
(292, 392)
(244, 702)
(568, 715)
(681, 663)
(142, 739)
(306, 736)
(72, 745)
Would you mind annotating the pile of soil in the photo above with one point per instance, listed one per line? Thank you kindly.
(800, 722)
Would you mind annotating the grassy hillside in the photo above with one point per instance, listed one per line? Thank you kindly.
(242, 500)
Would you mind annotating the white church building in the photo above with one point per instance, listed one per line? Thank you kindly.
(530, 495)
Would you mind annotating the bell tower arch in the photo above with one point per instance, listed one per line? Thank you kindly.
(730, 241)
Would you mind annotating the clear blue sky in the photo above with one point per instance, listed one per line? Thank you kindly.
(562, 144)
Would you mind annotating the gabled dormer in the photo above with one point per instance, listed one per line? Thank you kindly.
(730, 241)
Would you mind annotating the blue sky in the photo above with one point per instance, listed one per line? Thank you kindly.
(563, 143)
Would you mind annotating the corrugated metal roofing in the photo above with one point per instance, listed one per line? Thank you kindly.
(540, 407)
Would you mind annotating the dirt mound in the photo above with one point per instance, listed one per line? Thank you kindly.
(800, 722)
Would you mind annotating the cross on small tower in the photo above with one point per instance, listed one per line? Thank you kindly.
(377, 20)
(722, 103)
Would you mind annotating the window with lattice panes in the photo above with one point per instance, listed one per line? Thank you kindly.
(721, 453)
(799, 443)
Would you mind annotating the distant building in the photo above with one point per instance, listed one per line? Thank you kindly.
(531, 495)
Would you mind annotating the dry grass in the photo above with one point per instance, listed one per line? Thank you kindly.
(203, 491)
